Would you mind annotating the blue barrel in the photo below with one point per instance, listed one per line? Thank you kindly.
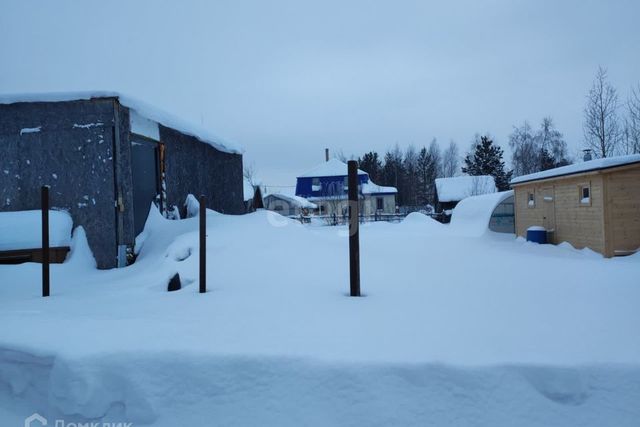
(537, 234)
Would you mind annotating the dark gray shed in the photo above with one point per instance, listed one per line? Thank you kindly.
(107, 158)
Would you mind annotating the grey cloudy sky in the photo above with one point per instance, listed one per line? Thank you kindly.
(285, 79)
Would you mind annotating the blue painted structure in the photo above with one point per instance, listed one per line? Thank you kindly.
(327, 185)
(537, 235)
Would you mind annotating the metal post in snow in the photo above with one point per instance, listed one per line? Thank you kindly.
(44, 205)
(203, 244)
(354, 222)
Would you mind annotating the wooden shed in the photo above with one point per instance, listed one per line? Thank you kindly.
(594, 204)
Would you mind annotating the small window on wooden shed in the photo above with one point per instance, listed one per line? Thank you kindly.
(531, 199)
(585, 194)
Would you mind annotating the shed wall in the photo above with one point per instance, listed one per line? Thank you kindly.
(194, 167)
(371, 203)
(73, 153)
(623, 199)
(580, 225)
(281, 206)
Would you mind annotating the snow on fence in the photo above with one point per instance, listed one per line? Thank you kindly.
(23, 229)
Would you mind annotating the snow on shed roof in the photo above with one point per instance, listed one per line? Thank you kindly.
(295, 200)
(457, 188)
(590, 165)
(142, 108)
(333, 167)
(372, 188)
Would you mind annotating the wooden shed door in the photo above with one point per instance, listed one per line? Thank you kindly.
(144, 168)
(549, 203)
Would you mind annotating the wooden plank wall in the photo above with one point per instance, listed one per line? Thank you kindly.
(623, 219)
(580, 225)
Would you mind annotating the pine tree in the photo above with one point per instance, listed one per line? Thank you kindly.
(393, 172)
(546, 160)
(486, 159)
(371, 164)
(410, 169)
(424, 179)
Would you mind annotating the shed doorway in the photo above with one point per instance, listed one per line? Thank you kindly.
(549, 206)
(144, 165)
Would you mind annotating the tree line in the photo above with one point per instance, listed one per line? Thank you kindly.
(611, 127)
(413, 171)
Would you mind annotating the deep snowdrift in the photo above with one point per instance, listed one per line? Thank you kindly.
(453, 330)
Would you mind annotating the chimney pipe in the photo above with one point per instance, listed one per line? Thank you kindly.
(587, 155)
(326, 154)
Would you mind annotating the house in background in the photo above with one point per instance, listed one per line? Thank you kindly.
(594, 204)
(106, 158)
(289, 205)
(326, 186)
(450, 191)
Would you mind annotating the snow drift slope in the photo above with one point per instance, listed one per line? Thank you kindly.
(452, 330)
(177, 389)
(471, 216)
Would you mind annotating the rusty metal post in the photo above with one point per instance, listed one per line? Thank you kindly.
(203, 244)
(354, 237)
(44, 205)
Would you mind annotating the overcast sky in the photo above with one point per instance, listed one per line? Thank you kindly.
(284, 79)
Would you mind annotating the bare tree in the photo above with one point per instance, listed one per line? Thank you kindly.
(551, 145)
(249, 173)
(526, 153)
(341, 156)
(434, 152)
(479, 185)
(450, 160)
(601, 128)
(334, 201)
(631, 135)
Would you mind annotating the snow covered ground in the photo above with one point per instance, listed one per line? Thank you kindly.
(453, 329)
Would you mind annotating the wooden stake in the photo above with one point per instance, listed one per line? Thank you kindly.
(203, 244)
(354, 237)
(44, 204)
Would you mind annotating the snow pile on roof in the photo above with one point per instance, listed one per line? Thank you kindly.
(333, 167)
(144, 109)
(372, 188)
(590, 165)
(457, 188)
(471, 216)
(23, 229)
(298, 201)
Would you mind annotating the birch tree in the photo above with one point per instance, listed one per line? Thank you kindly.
(450, 160)
(601, 127)
(631, 136)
